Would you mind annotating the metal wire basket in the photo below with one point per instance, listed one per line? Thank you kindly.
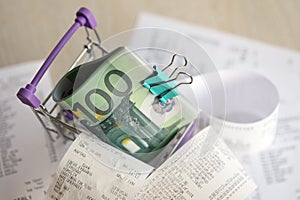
(57, 121)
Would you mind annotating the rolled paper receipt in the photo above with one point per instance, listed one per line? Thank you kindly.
(251, 105)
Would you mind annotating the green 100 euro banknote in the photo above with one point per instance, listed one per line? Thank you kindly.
(108, 98)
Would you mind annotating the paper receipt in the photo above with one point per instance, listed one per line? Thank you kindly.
(92, 170)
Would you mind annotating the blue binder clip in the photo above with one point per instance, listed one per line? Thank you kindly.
(162, 86)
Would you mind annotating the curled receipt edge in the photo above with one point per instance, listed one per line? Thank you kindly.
(251, 104)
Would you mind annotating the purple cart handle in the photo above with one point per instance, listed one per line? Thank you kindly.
(84, 17)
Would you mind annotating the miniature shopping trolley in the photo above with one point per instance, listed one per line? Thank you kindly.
(119, 97)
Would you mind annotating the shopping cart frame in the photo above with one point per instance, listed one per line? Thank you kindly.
(59, 121)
